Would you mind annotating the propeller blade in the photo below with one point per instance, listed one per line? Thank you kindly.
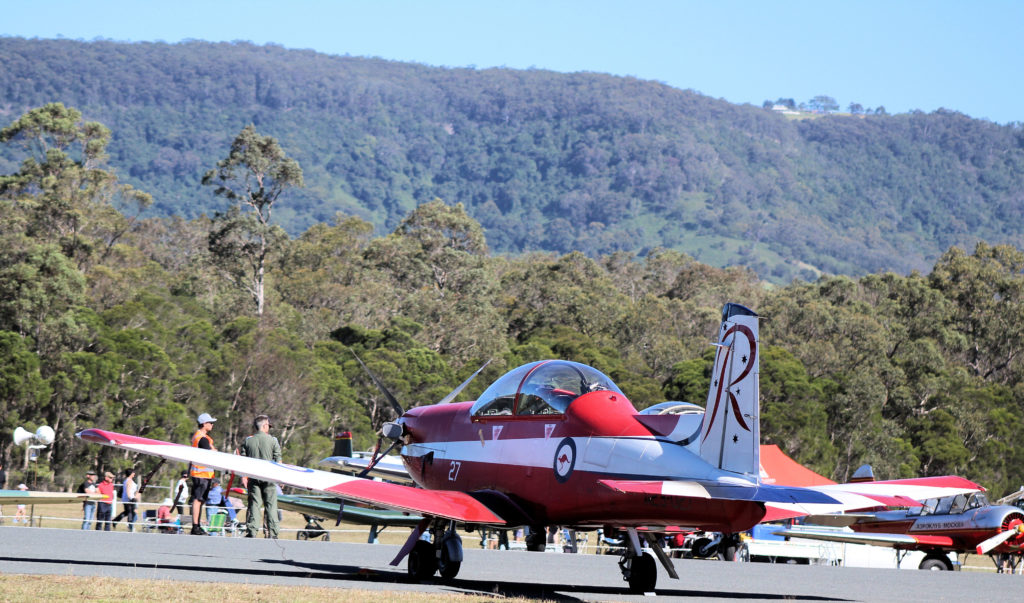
(341, 512)
(373, 458)
(376, 459)
(455, 392)
(991, 543)
(399, 411)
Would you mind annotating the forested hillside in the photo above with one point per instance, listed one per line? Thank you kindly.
(140, 325)
(543, 161)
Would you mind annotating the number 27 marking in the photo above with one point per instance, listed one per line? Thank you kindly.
(453, 473)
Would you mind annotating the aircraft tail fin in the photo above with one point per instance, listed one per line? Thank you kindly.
(864, 473)
(730, 434)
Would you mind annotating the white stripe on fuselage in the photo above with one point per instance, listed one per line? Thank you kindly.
(639, 456)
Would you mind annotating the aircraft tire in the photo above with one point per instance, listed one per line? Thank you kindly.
(935, 564)
(422, 562)
(727, 548)
(643, 574)
(701, 548)
(447, 568)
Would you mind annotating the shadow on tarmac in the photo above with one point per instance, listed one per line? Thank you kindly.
(334, 572)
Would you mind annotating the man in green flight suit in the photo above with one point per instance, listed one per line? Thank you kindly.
(261, 494)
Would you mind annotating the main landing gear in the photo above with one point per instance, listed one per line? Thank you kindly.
(638, 568)
(443, 555)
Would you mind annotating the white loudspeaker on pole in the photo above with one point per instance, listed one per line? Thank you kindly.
(22, 435)
(42, 438)
(44, 435)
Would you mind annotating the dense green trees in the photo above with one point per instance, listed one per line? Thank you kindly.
(542, 161)
(252, 177)
(132, 327)
(63, 179)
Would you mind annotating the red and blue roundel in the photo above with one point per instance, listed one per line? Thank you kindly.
(565, 459)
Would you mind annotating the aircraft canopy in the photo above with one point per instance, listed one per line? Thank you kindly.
(546, 387)
(950, 505)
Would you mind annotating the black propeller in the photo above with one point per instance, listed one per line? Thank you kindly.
(395, 405)
(399, 411)
(457, 390)
(395, 431)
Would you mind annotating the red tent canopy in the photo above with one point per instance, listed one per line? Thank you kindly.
(777, 468)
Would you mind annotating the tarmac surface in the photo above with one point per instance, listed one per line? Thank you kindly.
(506, 573)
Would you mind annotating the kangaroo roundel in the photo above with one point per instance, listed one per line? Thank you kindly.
(565, 459)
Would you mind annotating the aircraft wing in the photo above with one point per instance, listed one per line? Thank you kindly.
(1010, 498)
(719, 490)
(783, 502)
(389, 468)
(32, 497)
(459, 506)
(328, 509)
(837, 520)
(871, 495)
(900, 541)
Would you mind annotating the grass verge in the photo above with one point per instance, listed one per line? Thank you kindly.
(20, 587)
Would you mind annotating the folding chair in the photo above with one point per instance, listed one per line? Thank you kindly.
(216, 524)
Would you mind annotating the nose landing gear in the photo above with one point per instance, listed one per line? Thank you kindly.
(443, 555)
(638, 568)
(639, 571)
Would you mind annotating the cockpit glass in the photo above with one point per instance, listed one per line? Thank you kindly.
(959, 503)
(945, 503)
(551, 387)
(500, 397)
(543, 388)
(929, 506)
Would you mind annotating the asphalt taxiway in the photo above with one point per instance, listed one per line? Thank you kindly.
(507, 573)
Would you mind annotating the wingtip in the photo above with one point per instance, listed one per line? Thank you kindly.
(94, 435)
(100, 436)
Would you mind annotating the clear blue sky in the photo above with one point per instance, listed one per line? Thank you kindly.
(903, 55)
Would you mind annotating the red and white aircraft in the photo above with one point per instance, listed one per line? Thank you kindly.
(558, 443)
(960, 523)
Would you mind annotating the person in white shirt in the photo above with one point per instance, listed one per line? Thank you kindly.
(129, 498)
(179, 494)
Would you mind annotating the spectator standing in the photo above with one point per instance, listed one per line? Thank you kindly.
(105, 507)
(202, 477)
(179, 494)
(129, 498)
(3, 484)
(20, 515)
(88, 507)
(261, 494)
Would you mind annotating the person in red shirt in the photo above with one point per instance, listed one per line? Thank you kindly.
(105, 507)
(164, 519)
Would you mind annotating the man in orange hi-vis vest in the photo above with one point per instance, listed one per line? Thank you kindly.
(202, 477)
